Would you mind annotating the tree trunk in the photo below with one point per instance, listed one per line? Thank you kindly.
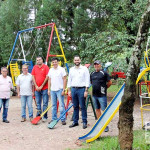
(125, 123)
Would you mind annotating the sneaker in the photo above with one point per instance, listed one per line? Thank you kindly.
(44, 119)
(63, 122)
(23, 119)
(106, 129)
(6, 121)
(50, 121)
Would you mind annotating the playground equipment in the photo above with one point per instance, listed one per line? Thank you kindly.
(105, 118)
(145, 96)
(33, 41)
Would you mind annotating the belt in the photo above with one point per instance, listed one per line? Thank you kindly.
(78, 87)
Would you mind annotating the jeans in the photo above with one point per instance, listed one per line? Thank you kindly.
(100, 102)
(5, 103)
(79, 99)
(26, 100)
(54, 96)
(39, 95)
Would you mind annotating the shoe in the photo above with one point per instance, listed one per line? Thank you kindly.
(50, 121)
(63, 122)
(84, 125)
(6, 121)
(44, 119)
(23, 119)
(73, 125)
(31, 119)
(106, 129)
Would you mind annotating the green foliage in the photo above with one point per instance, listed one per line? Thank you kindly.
(95, 29)
(13, 16)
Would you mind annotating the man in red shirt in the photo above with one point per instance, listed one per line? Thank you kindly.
(40, 79)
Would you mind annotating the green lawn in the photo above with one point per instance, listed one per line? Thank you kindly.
(111, 143)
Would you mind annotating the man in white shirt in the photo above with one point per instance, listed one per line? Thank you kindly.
(5, 87)
(56, 88)
(78, 81)
(25, 90)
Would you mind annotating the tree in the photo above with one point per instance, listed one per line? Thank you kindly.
(125, 123)
(116, 37)
(13, 18)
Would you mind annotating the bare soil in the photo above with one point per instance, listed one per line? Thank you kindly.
(25, 136)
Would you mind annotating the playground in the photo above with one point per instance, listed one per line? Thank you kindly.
(25, 136)
(38, 134)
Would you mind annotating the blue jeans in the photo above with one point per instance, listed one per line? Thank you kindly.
(79, 99)
(54, 96)
(26, 100)
(100, 102)
(39, 95)
(5, 103)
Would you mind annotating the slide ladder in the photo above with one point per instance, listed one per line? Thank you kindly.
(15, 72)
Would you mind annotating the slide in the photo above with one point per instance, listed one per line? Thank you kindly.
(105, 118)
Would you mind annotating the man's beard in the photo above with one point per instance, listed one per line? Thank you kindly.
(77, 64)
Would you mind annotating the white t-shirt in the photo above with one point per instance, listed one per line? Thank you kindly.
(5, 86)
(25, 83)
(56, 76)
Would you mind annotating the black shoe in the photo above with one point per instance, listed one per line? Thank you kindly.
(63, 122)
(106, 129)
(73, 125)
(84, 125)
(6, 121)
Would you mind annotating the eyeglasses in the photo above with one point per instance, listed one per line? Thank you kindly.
(24, 68)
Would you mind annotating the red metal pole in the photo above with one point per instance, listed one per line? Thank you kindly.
(43, 26)
(50, 41)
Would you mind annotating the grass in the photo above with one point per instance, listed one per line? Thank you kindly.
(111, 143)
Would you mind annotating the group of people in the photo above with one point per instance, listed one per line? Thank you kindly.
(44, 83)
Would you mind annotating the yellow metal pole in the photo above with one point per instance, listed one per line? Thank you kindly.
(60, 44)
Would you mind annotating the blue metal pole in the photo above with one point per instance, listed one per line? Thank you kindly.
(67, 67)
(13, 49)
(19, 32)
(26, 30)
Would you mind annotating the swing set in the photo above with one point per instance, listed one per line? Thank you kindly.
(29, 41)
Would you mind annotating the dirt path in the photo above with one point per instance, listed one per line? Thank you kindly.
(25, 136)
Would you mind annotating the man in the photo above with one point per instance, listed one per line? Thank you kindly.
(25, 90)
(57, 83)
(5, 87)
(78, 81)
(40, 78)
(100, 81)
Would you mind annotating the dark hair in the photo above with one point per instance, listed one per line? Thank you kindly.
(55, 58)
(76, 56)
(40, 57)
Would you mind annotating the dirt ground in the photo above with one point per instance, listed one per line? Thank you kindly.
(25, 136)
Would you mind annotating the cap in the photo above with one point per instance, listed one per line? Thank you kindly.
(97, 62)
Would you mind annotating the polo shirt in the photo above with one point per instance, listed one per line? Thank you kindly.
(25, 84)
(40, 74)
(99, 83)
(78, 77)
(56, 75)
(5, 86)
